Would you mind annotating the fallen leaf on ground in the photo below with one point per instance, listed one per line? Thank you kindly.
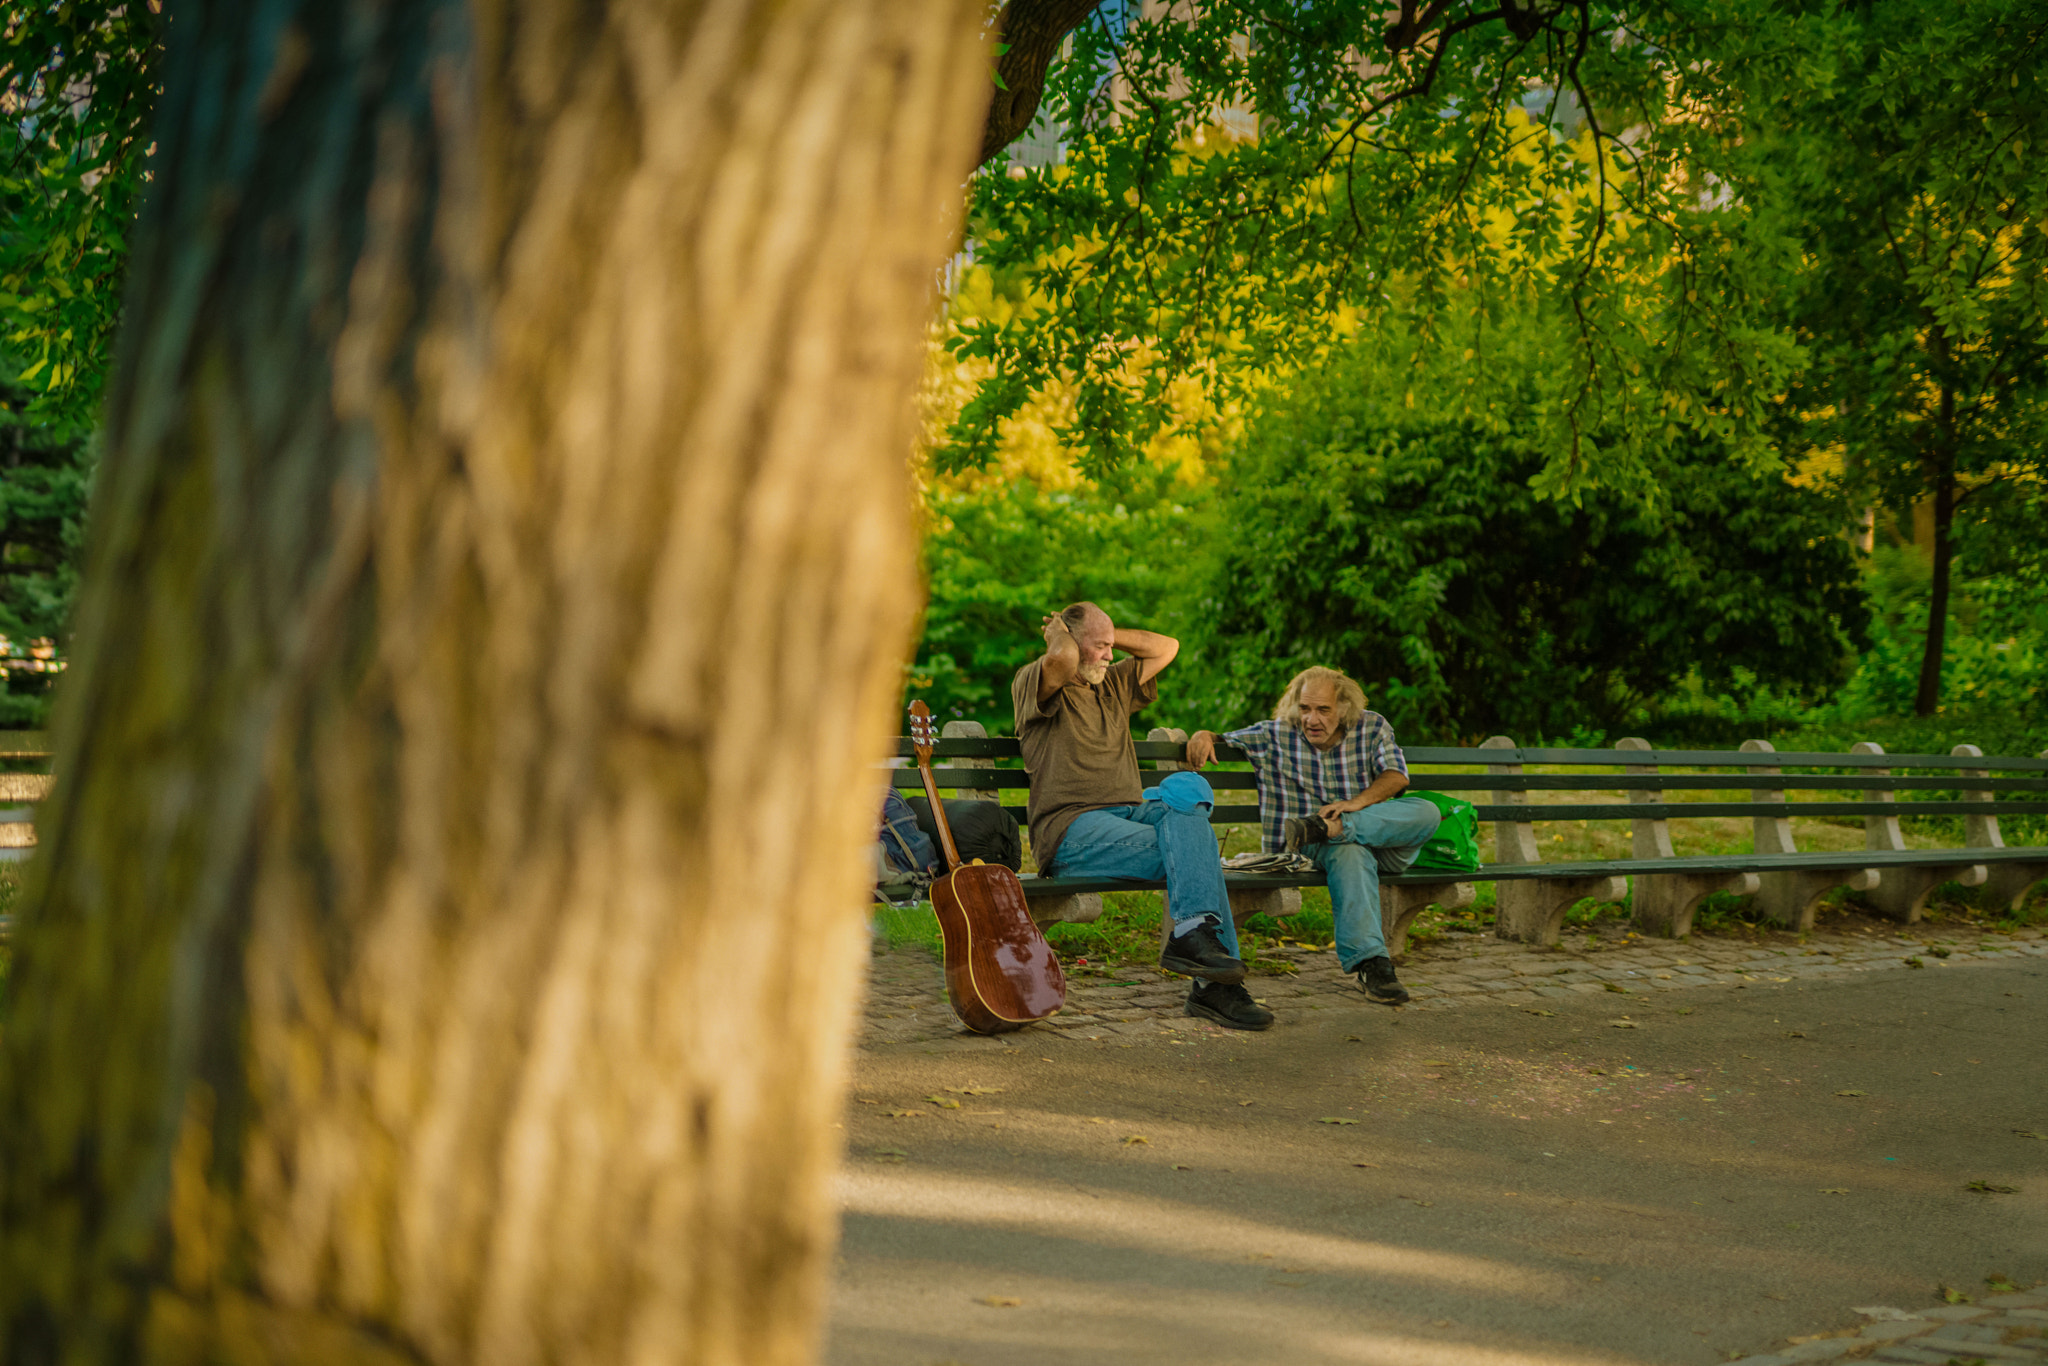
(1545, 1013)
(2029, 1133)
(1332, 1119)
(1354, 1038)
(1794, 1034)
(1987, 1188)
(1953, 1295)
(1621, 1024)
(942, 1102)
(1440, 1323)
(976, 1090)
(890, 1154)
(1137, 1138)
(1852, 1093)
(1615, 986)
(1834, 1190)
(1182, 1167)
(904, 1114)
(865, 1101)
(1000, 1301)
(1365, 1164)
(1247, 1102)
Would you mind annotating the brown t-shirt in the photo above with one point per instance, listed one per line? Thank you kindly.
(1077, 747)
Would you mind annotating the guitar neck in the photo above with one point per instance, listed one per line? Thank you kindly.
(931, 792)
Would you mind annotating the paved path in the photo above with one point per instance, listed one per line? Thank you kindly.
(1523, 1167)
(2000, 1328)
(907, 990)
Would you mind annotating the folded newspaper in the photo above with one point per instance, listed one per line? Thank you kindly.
(1269, 863)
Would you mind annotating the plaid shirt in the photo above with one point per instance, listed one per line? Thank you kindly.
(1297, 779)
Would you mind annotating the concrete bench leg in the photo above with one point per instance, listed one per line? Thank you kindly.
(2007, 884)
(1400, 905)
(1066, 908)
(1793, 899)
(1664, 902)
(1246, 902)
(1532, 911)
(1903, 892)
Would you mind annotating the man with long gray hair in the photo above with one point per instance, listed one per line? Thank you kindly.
(1330, 785)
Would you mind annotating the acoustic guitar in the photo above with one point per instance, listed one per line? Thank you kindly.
(1000, 972)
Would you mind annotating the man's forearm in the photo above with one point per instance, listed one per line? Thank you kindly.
(1152, 651)
(1384, 788)
(1145, 644)
(1062, 661)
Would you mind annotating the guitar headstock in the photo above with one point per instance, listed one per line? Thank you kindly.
(923, 734)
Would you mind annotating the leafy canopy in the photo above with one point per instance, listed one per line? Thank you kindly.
(1247, 184)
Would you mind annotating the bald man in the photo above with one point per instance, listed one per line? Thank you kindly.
(1088, 812)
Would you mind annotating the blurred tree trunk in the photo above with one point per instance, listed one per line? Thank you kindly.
(447, 923)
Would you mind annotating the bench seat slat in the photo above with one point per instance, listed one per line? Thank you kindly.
(1227, 780)
(1509, 872)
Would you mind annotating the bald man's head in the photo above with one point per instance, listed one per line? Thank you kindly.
(1095, 633)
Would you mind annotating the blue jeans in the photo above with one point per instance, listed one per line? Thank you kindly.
(1385, 836)
(1150, 842)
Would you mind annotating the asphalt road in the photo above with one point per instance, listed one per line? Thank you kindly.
(1502, 1187)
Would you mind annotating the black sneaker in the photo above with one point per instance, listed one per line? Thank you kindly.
(1199, 953)
(1229, 1005)
(1376, 978)
(1299, 830)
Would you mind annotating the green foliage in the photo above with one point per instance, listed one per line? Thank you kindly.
(1410, 548)
(78, 81)
(1996, 660)
(1898, 147)
(1241, 190)
(999, 560)
(45, 478)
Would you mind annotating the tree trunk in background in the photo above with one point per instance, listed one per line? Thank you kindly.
(1927, 697)
(447, 924)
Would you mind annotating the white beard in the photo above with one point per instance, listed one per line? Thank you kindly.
(1093, 673)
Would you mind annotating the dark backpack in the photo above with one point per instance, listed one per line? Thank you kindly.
(905, 845)
(981, 830)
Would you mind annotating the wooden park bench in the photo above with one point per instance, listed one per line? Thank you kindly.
(1531, 896)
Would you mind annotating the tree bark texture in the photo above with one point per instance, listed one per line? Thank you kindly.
(1031, 32)
(447, 925)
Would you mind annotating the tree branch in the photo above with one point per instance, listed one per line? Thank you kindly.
(1030, 32)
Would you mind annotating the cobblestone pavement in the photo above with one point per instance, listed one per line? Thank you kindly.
(2001, 1328)
(906, 1001)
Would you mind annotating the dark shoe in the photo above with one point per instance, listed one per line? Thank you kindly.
(1229, 1005)
(1376, 977)
(1299, 830)
(1199, 953)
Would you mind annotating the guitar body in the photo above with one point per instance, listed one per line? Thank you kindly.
(1000, 972)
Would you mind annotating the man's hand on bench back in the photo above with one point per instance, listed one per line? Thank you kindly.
(1201, 749)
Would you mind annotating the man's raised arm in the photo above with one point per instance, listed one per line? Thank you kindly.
(1062, 658)
(1156, 651)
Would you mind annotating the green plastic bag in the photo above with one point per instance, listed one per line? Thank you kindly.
(1454, 848)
